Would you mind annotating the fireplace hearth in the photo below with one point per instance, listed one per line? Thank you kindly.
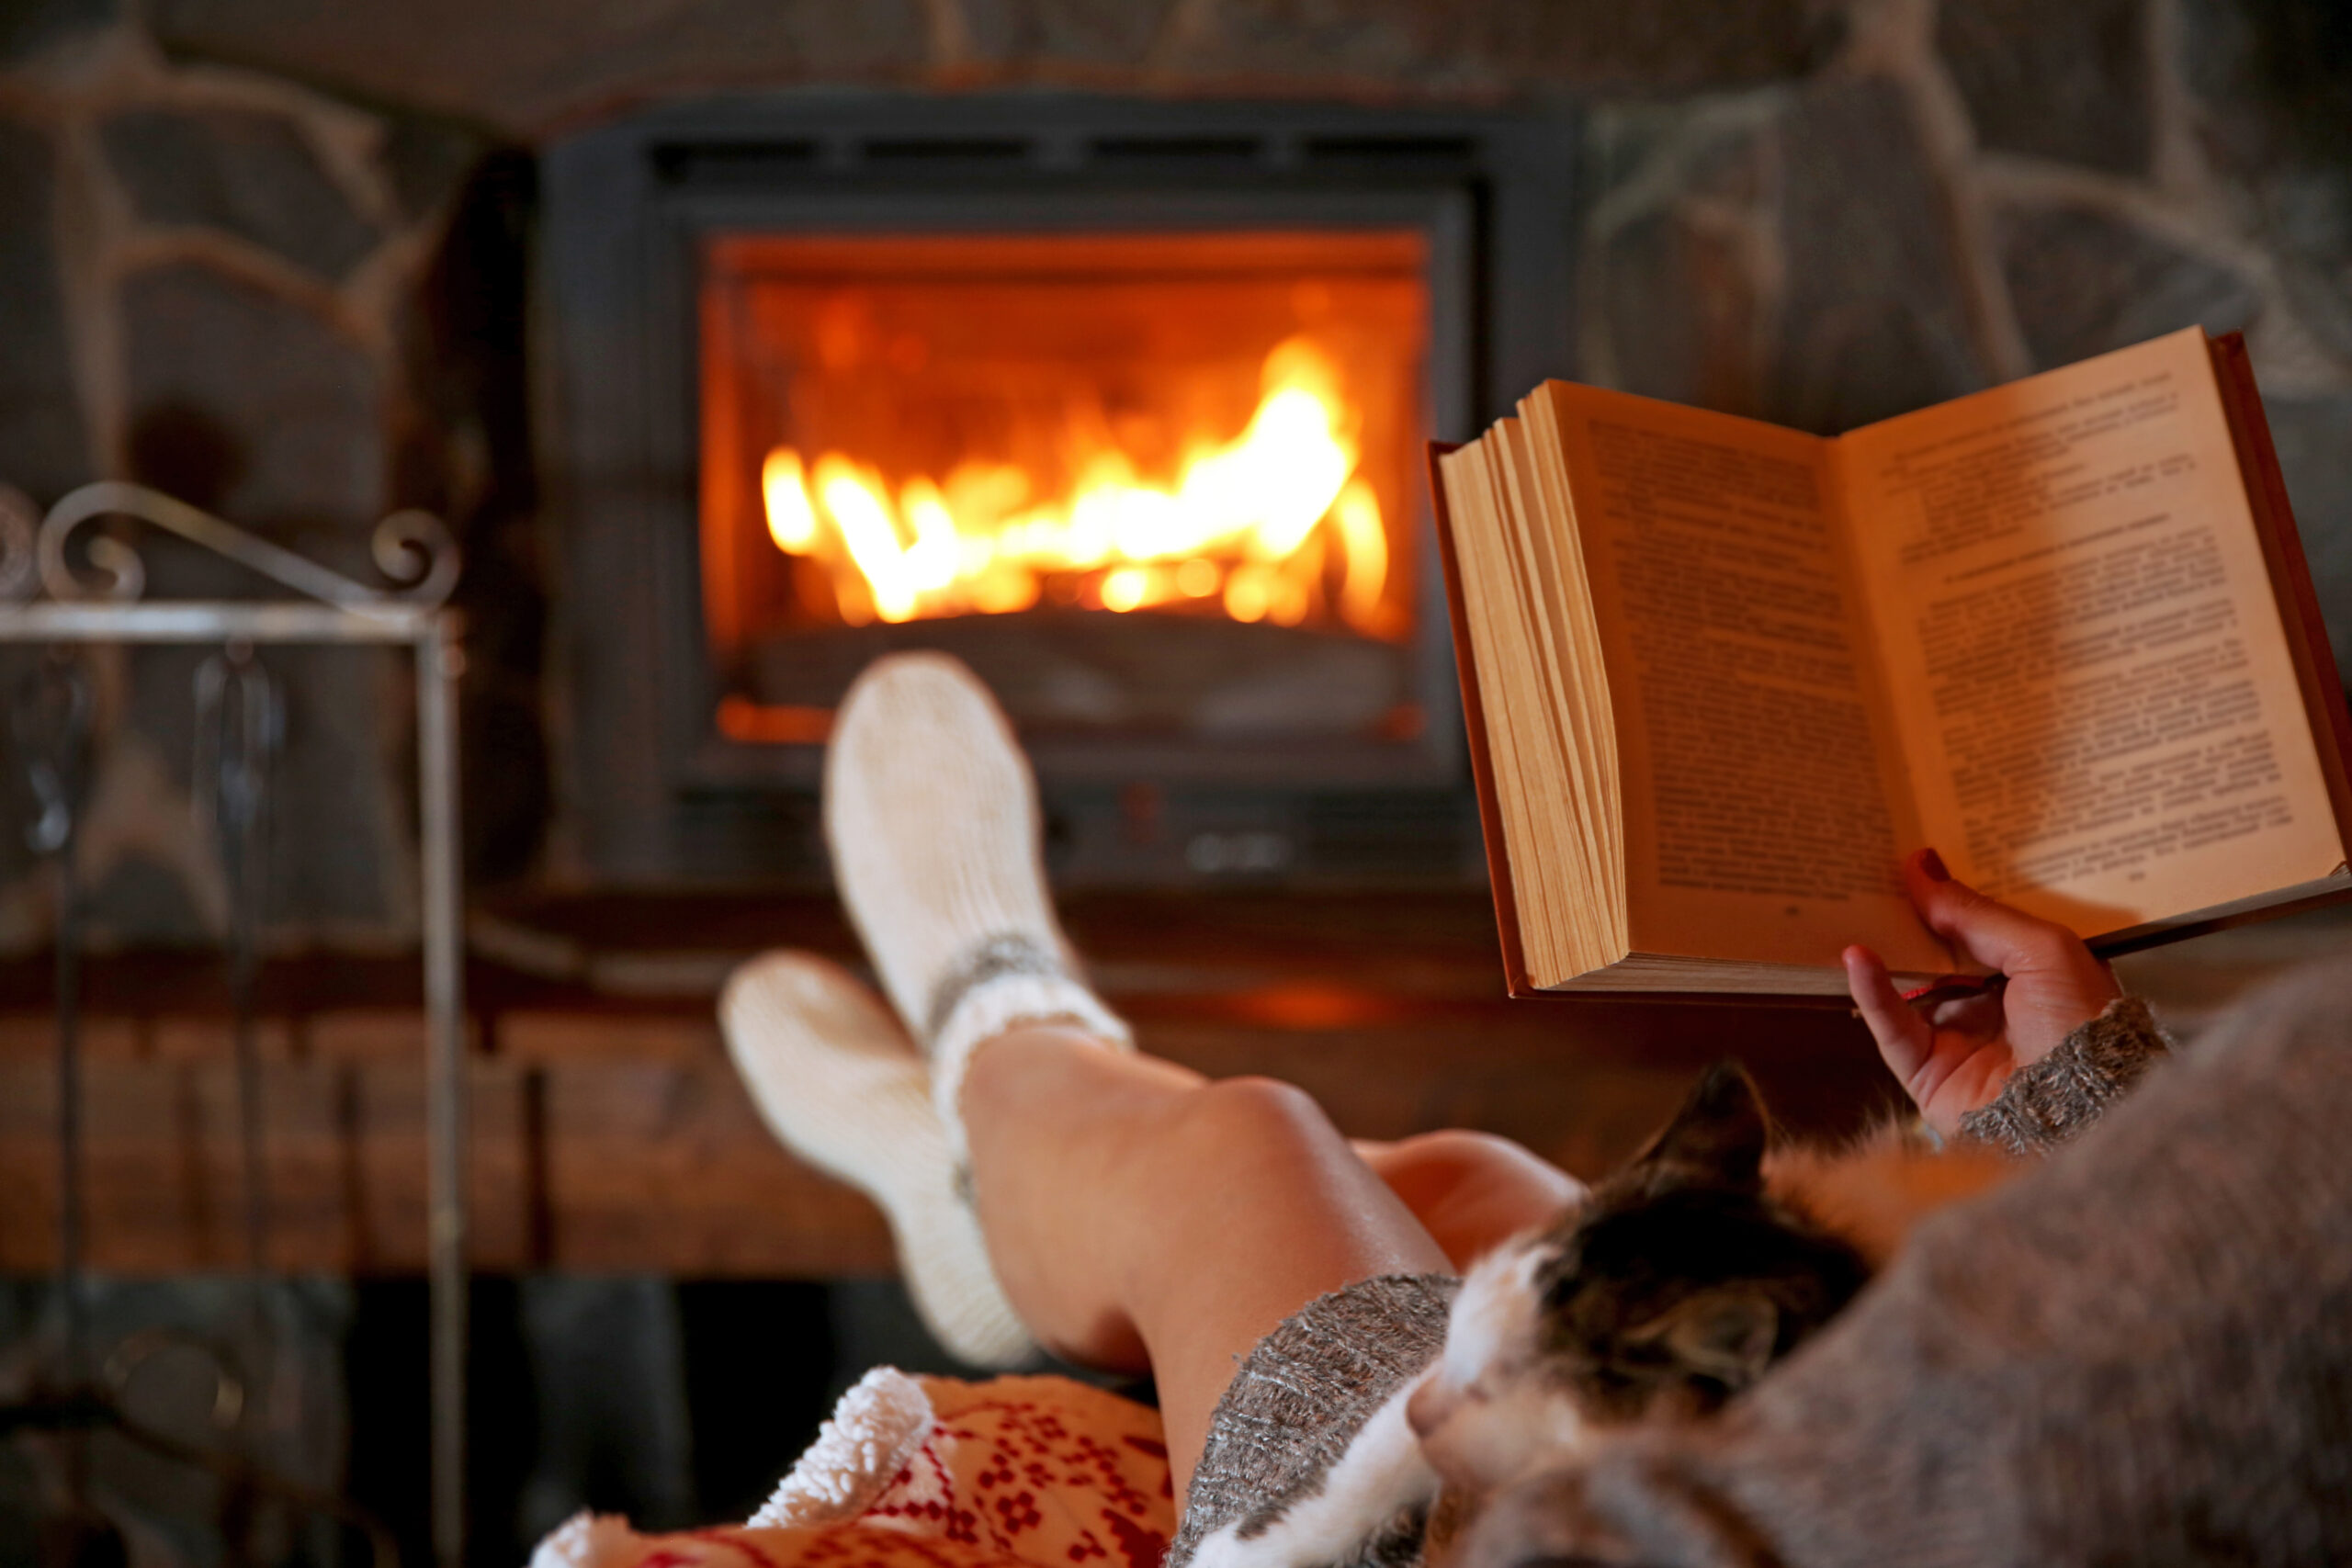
(1122, 404)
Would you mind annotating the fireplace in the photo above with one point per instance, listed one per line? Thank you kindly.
(1144, 484)
(1122, 404)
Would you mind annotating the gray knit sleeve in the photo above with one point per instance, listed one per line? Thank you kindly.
(2047, 1104)
(1299, 1398)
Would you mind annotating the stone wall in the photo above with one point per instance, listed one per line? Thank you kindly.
(272, 256)
(1971, 193)
(1974, 191)
(536, 67)
(219, 284)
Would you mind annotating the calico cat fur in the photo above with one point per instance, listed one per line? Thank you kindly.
(1663, 1292)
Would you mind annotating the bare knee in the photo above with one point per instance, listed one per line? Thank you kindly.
(1252, 1122)
(1447, 1154)
(1448, 1149)
(1473, 1190)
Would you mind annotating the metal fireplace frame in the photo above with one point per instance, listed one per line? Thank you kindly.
(659, 796)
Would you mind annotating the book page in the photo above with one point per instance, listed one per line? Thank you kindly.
(1759, 822)
(2097, 705)
(1558, 603)
(1531, 783)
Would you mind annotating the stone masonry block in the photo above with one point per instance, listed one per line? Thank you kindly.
(246, 403)
(2083, 282)
(1679, 308)
(44, 449)
(2273, 85)
(533, 67)
(2317, 461)
(427, 160)
(2067, 80)
(245, 173)
(285, 414)
(1517, 46)
(1874, 321)
(1673, 305)
(1048, 33)
(27, 27)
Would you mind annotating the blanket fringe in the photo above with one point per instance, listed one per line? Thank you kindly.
(874, 1431)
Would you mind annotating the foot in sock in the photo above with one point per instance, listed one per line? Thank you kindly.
(842, 1085)
(931, 818)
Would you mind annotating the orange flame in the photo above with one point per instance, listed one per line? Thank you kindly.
(1253, 524)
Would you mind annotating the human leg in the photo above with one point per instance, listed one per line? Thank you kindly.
(1138, 1214)
(1471, 1192)
(840, 1082)
(1134, 1211)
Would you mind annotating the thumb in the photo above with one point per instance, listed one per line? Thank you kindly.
(1985, 928)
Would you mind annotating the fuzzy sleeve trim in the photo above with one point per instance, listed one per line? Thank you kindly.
(2047, 1105)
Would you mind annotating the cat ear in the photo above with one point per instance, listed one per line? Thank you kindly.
(1720, 1132)
(1722, 1335)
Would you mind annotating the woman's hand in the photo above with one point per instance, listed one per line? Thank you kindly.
(1952, 1057)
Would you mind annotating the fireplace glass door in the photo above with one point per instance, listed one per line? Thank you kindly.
(1156, 484)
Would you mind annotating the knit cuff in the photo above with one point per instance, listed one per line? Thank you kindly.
(2048, 1104)
(1005, 980)
(988, 1010)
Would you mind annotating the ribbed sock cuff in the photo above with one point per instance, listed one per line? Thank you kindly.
(1005, 980)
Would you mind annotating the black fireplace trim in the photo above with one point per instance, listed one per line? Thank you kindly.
(655, 796)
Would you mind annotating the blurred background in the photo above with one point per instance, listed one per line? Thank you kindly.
(737, 342)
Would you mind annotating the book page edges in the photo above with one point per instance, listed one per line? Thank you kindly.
(2290, 577)
(1474, 716)
(1649, 976)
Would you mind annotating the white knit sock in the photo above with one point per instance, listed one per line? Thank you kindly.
(931, 816)
(842, 1085)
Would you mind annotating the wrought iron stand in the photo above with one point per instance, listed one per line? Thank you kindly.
(412, 549)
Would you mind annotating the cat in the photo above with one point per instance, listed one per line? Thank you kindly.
(1658, 1294)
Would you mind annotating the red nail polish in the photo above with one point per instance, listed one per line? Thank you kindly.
(1933, 864)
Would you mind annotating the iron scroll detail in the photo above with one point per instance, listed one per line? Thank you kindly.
(411, 548)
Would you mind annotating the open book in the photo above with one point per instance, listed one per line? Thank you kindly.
(1720, 676)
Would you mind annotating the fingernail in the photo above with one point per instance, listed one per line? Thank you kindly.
(1933, 864)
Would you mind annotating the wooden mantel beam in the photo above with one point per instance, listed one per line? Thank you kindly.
(610, 1133)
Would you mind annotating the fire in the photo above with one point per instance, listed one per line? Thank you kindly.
(1274, 523)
